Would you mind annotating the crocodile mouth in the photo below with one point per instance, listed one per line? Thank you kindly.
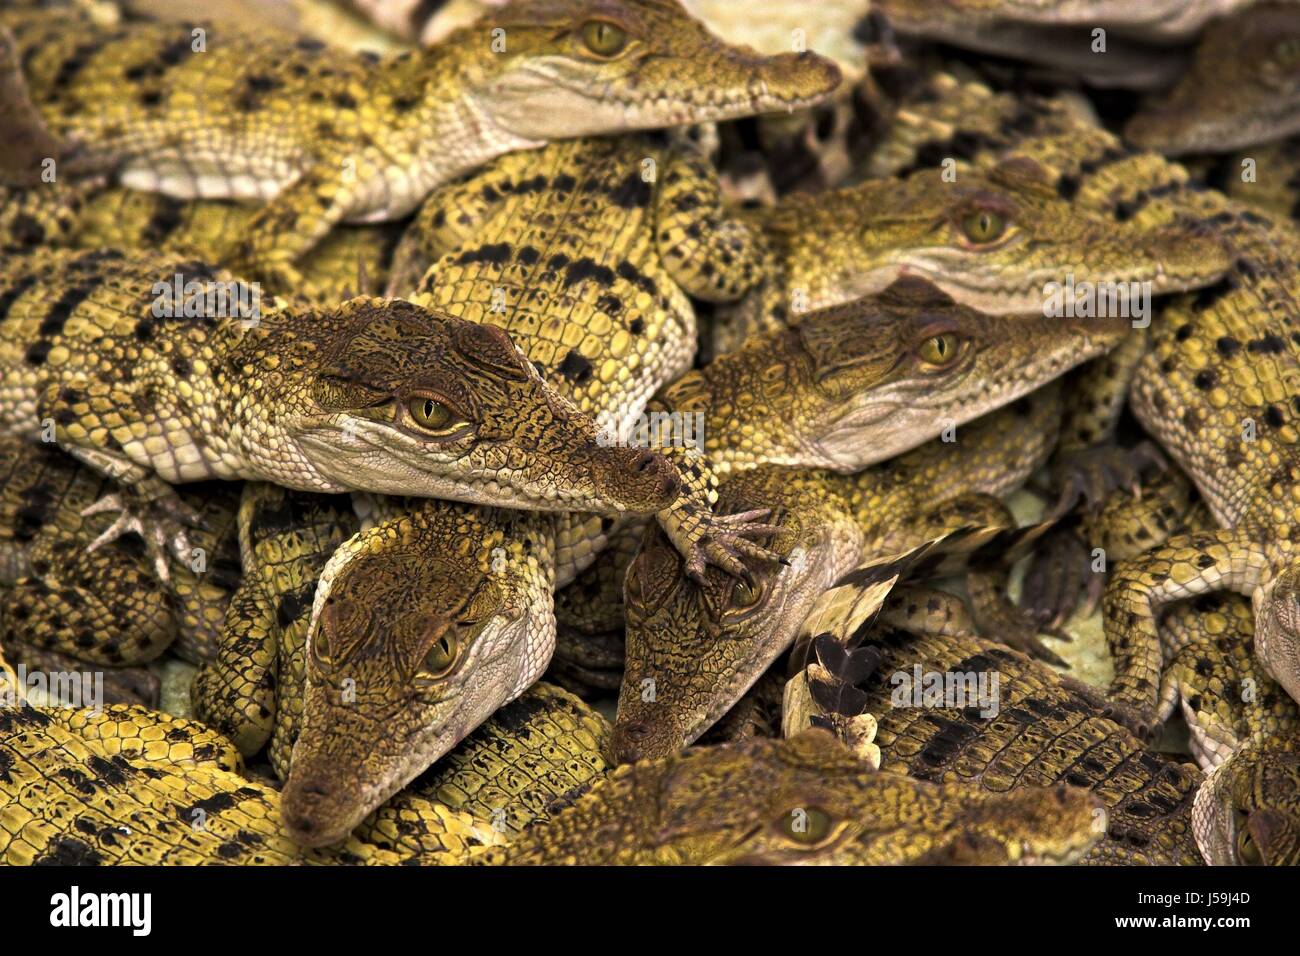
(684, 107)
(508, 489)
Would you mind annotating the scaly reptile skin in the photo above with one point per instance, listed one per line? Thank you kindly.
(693, 652)
(585, 253)
(807, 800)
(991, 239)
(531, 758)
(102, 607)
(135, 786)
(323, 136)
(1213, 676)
(1270, 182)
(1211, 379)
(252, 690)
(855, 384)
(845, 356)
(1241, 89)
(370, 395)
(1042, 730)
(351, 260)
(422, 627)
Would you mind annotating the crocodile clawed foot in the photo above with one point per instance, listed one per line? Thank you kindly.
(1059, 572)
(1090, 475)
(160, 518)
(727, 541)
(1137, 719)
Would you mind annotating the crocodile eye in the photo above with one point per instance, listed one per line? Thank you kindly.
(744, 594)
(429, 414)
(808, 826)
(604, 38)
(1287, 50)
(939, 350)
(320, 648)
(442, 655)
(1247, 849)
(983, 226)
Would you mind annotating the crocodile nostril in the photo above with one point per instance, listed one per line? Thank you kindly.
(637, 731)
(628, 740)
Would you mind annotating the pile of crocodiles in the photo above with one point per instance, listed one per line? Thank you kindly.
(650, 432)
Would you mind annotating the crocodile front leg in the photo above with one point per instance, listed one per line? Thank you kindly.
(710, 254)
(236, 693)
(292, 223)
(1187, 566)
(85, 417)
(701, 536)
(1086, 465)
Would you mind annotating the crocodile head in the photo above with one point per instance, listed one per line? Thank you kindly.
(855, 384)
(806, 800)
(415, 640)
(1247, 811)
(1001, 240)
(693, 650)
(395, 399)
(1243, 88)
(1277, 628)
(553, 69)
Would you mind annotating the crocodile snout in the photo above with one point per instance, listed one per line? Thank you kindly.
(636, 480)
(308, 808)
(635, 740)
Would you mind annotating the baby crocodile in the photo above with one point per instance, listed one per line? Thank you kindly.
(585, 252)
(322, 135)
(397, 615)
(991, 238)
(1211, 379)
(422, 627)
(806, 800)
(150, 385)
(941, 716)
(374, 626)
(692, 652)
(132, 786)
(136, 786)
(103, 607)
